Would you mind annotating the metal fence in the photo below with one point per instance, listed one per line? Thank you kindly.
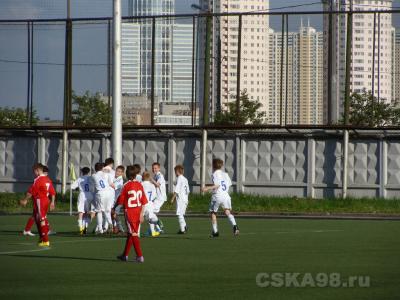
(190, 70)
(302, 163)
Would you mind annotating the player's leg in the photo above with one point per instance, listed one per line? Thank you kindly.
(214, 205)
(99, 214)
(180, 212)
(135, 225)
(28, 226)
(43, 222)
(227, 209)
(156, 209)
(81, 211)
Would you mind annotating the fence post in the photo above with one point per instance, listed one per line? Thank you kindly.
(64, 175)
(239, 158)
(310, 167)
(171, 163)
(41, 149)
(203, 158)
(382, 168)
(243, 164)
(345, 162)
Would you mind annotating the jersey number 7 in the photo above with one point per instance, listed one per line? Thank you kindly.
(133, 201)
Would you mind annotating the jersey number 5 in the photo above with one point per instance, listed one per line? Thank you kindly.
(133, 201)
(223, 185)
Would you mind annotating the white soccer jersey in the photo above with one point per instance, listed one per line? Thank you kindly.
(162, 190)
(139, 178)
(150, 191)
(101, 181)
(182, 189)
(118, 185)
(86, 187)
(110, 174)
(222, 179)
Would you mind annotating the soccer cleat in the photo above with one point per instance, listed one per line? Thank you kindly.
(155, 234)
(181, 232)
(235, 230)
(85, 230)
(81, 230)
(140, 259)
(122, 257)
(214, 234)
(29, 233)
(44, 244)
(51, 232)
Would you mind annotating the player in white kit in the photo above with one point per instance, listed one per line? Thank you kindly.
(181, 194)
(103, 197)
(220, 197)
(151, 194)
(110, 172)
(118, 183)
(86, 189)
(159, 182)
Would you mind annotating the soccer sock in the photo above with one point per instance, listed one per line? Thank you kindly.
(87, 221)
(136, 245)
(182, 223)
(80, 223)
(30, 223)
(128, 245)
(158, 227)
(232, 219)
(45, 231)
(151, 227)
(215, 227)
(99, 221)
(109, 220)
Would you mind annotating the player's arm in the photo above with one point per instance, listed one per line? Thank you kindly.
(210, 187)
(156, 183)
(75, 184)
(24, 201)
(52, 193)
(173, 197)
(143, 201)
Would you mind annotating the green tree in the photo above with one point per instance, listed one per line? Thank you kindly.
(17, 117)
(248, 112)
(89, 110)
(366, 110)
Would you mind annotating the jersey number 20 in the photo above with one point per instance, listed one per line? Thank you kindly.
(133, 201)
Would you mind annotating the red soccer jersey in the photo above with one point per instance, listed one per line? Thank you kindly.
(132, 197)
(42, 188)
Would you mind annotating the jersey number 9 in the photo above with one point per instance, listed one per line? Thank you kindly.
(133, 201)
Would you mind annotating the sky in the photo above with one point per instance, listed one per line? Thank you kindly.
(89, 48)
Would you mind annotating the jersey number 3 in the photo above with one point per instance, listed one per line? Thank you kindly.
(133, 200)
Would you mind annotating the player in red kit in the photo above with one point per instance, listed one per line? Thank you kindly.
(132, 198)
(40, 191)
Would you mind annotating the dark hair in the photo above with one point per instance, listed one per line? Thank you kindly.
(109, 161)
(37, 166)
(217, 163)
(98, 166)
(132, 171)
(45, 169)
(138, 166)
(156, 164)
(85, 170)
(120, 168)
(180, 169)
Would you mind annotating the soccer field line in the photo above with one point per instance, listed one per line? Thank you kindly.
(24, 251)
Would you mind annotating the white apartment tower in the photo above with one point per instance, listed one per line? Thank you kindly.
(254, 67)
(369, 64)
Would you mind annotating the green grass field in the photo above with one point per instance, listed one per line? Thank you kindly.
(196, 266)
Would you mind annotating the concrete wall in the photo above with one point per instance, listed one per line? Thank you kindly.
(302, 164)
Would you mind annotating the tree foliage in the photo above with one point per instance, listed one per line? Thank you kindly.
(17, 117)
(89, 110)
(249, 112)
(366, 110)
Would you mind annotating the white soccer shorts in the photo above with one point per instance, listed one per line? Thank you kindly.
(216, 202)
(181, 207)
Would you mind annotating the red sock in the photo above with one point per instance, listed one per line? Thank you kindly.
(45, 231)
(30, 223)
(136, 244)
(128, 245)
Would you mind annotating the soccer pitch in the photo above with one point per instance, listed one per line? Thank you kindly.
(196, 266)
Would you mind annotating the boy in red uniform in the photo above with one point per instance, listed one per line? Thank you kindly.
(40, 191)
(133, 199)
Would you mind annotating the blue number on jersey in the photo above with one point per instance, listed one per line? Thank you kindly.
(223, 185)
(102, 184)
(87, 188)
(186, 190)
(150, 195)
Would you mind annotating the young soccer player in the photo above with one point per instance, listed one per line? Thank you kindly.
(151, 194)
(159, 182)
(103, 197)
(85, 198)
(31, 220)
(133, 199)
(110, 172)
(220, 197)
(118, 184)
(40, 191)
(181, 194)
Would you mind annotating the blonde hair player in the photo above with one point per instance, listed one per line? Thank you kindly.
(181, 194)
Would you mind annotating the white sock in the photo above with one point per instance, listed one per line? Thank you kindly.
(87, 221)
(182, 223)
(80, 223)
(215, 227)
(151, 227)
(232, 219)
(100, 221)
(108, 219)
